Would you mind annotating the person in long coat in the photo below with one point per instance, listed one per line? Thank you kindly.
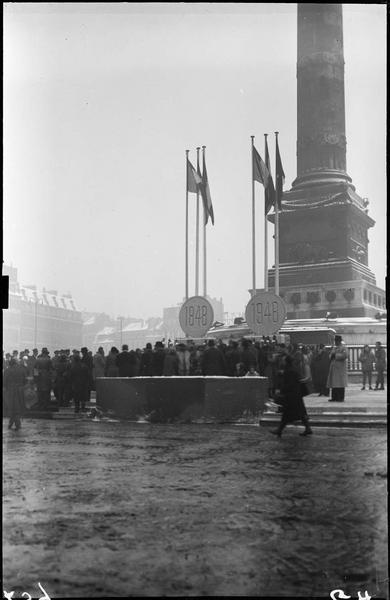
(60, 379)
(380, 364)
(80, 378)
(14, 380)
(213, 361)
(320, 369)
(337, 377)
(367, 359)
(293, 405)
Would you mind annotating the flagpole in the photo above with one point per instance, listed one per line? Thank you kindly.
(253, 227)
(186, 237)
(265, 229)
(276, 228)
(204, 240)
(197, 233)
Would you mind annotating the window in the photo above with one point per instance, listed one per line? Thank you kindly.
(364, 294)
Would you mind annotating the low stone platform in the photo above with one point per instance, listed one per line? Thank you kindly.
(166, 399)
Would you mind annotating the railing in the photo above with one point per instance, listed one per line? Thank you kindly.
(354, 352)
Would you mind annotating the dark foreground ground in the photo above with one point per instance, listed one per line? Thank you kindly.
(119, 509)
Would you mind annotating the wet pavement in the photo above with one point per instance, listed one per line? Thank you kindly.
(93, 509)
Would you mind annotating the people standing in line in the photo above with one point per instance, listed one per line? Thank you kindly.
(146, 361)
(337, 377)
(213, 361)
(293, 405)
(367, 359)
(111, 363)
(14, 381)
(80, 380)
(320, 369)
(44, 379)
(380, 365)
(99, 364)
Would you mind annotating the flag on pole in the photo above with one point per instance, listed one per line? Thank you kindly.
(279, 176)
(270, 189)
(194, 180)
(205, 190)
(262, 175)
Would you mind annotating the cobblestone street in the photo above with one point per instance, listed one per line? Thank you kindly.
(119, 509)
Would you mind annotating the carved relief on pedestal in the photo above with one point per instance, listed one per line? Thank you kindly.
(305, 252)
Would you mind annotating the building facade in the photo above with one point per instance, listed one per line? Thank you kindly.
(36, 319)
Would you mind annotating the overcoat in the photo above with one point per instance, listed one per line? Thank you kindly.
(111, 365)
(99, 365)
(367, 360)
(14, 381)
(213, 362)
(293, 406)
(320, 368)
(337, 377)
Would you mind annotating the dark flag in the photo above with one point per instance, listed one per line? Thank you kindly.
(205, 189)
(279, 176)
(194, 180)
(262, 175)
(270, 189)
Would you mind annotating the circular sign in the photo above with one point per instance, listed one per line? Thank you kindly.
(196, 316)
(265, 313)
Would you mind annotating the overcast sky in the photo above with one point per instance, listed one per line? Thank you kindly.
(102, 100)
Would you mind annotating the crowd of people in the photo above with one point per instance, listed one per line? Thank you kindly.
(71, 376)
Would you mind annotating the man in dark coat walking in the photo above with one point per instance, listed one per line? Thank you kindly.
(293, 406)
(213, 361)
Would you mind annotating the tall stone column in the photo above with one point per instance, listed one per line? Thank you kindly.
(321, 141)
(324, 223)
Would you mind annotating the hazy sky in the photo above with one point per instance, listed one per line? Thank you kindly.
(102, 100)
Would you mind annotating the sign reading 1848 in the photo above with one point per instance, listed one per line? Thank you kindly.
(265, 313)
(196, 316)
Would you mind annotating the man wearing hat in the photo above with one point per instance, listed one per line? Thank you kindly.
(380, 365)
(337, 377)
